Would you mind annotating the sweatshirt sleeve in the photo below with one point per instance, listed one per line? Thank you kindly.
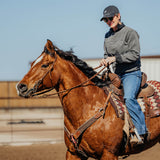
(133, 51)
(105, 53)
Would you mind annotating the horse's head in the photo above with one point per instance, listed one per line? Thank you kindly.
(39, 77)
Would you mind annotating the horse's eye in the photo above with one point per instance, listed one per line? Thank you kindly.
(45, 65)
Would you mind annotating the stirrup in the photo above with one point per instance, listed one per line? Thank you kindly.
(136, 139)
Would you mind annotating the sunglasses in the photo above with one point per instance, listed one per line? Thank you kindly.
(107, 19)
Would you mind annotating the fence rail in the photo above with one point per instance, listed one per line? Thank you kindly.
(25, 125)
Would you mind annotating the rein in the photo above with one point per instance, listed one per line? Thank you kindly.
(35, 88)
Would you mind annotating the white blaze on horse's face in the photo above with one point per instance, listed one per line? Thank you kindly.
(38, 60)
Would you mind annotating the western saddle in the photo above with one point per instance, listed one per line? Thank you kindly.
(117, 88)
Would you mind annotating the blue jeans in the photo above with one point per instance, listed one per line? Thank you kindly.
(131, 84)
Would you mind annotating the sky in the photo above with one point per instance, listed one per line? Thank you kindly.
(25, 25)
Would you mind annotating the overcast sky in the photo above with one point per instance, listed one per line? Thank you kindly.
(27, 24)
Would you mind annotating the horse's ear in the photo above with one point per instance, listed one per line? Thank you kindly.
(49, 48)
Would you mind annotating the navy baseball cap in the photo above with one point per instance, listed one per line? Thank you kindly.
(110, 11)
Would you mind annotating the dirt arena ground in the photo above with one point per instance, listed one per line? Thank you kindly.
(57, 152)
(39, 135)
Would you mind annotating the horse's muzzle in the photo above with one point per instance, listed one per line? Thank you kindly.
(22, 87)
(23, 91)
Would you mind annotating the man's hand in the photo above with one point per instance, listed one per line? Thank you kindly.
(107, 61)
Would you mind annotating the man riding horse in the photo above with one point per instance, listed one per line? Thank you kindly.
(122, 48)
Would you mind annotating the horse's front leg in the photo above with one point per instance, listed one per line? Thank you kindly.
(70, 156)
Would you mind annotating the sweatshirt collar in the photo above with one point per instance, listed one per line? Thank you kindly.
(119, 27)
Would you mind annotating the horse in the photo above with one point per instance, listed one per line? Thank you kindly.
(82, 97)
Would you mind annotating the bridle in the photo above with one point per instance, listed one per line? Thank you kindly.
(35, 91)
(39, 82)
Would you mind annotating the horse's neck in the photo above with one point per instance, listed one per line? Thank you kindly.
(70, 76)
(81, 102)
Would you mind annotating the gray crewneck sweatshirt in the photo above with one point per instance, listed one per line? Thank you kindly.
(124, 45)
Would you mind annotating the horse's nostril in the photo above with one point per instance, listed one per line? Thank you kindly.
(22, 87)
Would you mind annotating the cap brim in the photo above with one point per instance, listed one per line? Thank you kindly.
(107, 16)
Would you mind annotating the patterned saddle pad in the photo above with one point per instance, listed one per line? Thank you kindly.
(154, 102)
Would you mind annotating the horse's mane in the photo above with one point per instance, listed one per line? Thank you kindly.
(83, 66)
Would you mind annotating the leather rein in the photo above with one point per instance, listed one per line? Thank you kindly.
(35, 88)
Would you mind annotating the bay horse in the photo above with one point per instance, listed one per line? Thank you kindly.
(104, 139)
